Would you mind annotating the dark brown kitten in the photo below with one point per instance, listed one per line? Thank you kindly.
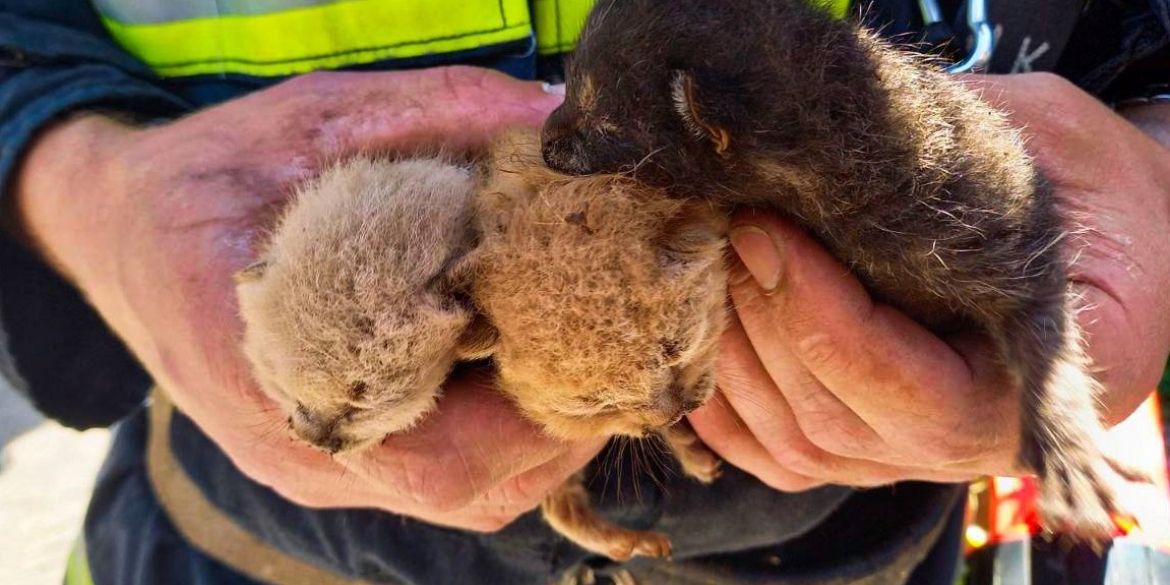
(911, 180)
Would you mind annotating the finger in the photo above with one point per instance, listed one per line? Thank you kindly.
(721, 429)
(750, 391)
(517, 495)
(1119, 342)
(875, 360)
(823, 418)
(475, 441)
(760, 406)
(450, 108)
(724, 432)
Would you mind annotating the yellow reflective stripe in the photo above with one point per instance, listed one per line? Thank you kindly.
(559, 24)
(322, 37)
(77, 570)
(838, 8)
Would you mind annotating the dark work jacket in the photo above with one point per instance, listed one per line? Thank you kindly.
(56, 58)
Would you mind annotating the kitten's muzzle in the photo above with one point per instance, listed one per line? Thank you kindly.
(671, 405)
(562, 145)
(563, 154)
(322, 432)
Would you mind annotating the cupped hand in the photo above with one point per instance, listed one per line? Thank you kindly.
(151, 224)
(820, 384)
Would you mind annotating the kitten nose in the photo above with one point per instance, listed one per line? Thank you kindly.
(558, 147)
(557, 153)
(316, 430)
(677, 400)
(668, 407)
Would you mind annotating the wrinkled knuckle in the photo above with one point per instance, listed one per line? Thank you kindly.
(802, 457)
(434, 487)
(819, 352)
(519, 493)
(841, 438)
(947, 448)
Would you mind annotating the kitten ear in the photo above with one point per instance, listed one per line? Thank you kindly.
(252, 273)
(684, 93)
(698, 228)
(456, 275)
(480, 338)
(479, 341)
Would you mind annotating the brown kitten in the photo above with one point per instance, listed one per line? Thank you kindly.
(608, 295)
(609, 299)
(921, 188)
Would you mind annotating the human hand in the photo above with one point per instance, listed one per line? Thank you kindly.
(819, 384)
(152, 223)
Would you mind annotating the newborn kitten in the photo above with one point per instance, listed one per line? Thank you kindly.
(922, 189)
(351, 325)
(609, 299)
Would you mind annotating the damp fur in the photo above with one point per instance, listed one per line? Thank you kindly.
(923, 190)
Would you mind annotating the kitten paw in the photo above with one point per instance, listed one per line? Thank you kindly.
(635, 543)
(1078, 499)
(696, 459)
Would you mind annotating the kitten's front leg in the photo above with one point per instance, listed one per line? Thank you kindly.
(568, 511)
(697, 460)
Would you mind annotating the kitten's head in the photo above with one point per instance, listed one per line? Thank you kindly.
(665, 89)
(354, 317)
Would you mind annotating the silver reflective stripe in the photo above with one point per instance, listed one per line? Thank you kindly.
(158, 11)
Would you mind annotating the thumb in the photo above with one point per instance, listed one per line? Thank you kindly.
(459, 108)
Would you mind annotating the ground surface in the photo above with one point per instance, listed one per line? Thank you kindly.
(46, 474)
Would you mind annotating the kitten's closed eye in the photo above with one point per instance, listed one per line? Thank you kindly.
(696, 230)
(357, 391)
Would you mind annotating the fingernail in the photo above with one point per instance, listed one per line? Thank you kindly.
(557, 89)
(760, 254)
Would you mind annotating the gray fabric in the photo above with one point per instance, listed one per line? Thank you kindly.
(156, 11)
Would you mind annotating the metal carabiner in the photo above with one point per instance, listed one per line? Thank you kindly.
(983, 36)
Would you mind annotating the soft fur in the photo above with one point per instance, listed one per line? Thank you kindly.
(351, 323)
(921, 188)
(609, 299)
(609, 296)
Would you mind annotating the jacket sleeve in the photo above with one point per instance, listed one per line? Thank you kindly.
(55, 58)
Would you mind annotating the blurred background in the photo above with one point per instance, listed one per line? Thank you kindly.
(46, 475)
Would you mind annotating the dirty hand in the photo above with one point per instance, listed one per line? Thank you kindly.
(820, 384)
(151, 224)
